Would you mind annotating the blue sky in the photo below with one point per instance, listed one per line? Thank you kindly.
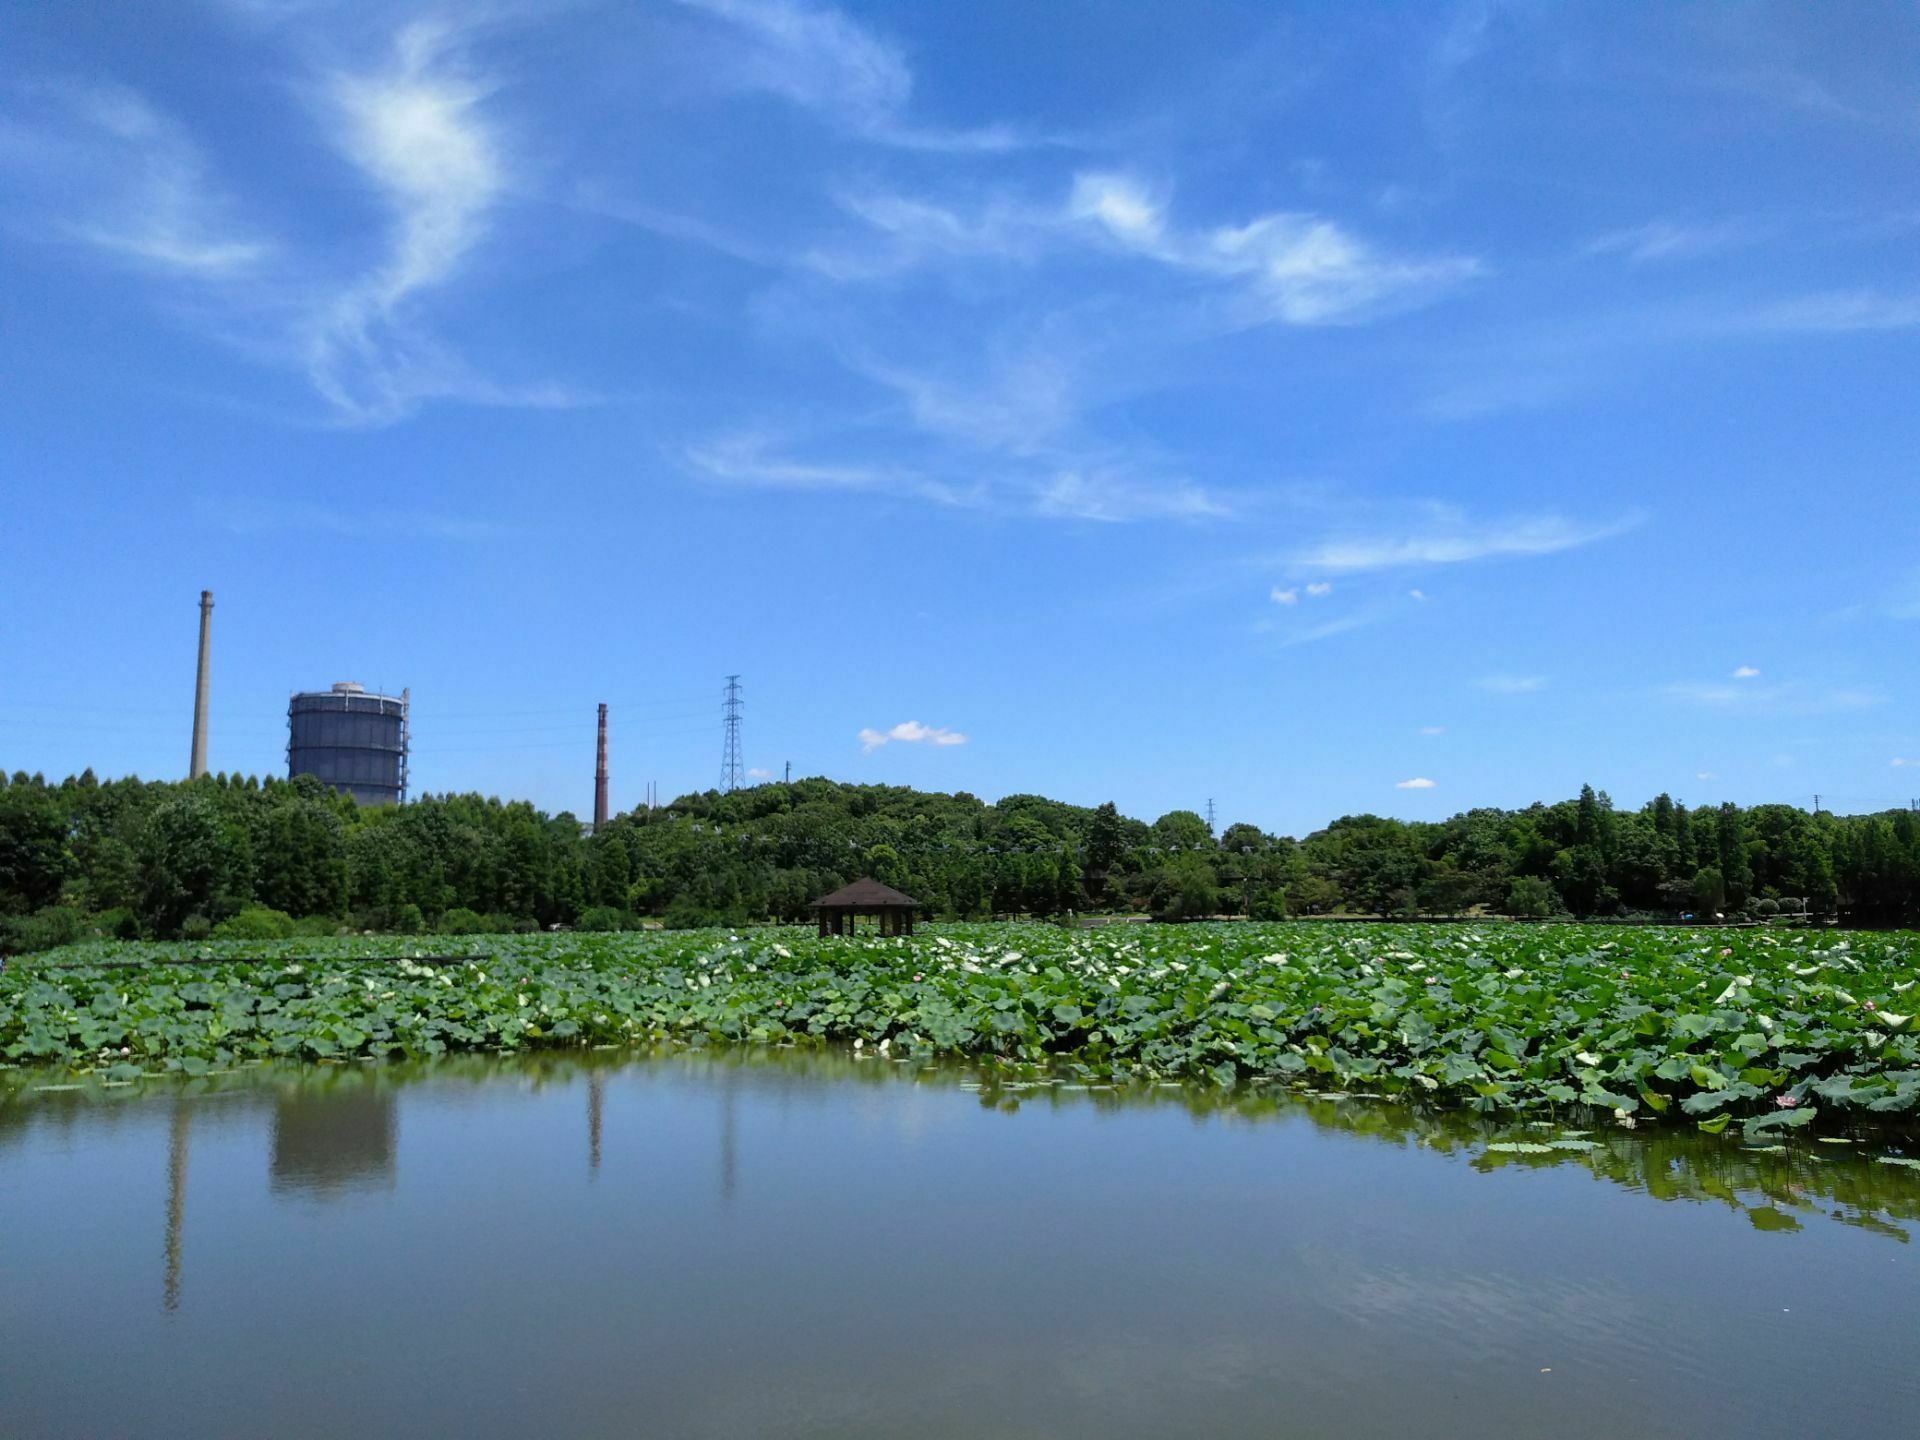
(1318, 410)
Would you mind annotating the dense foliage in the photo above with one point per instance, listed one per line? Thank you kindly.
(129, 858)
(1778, 1026)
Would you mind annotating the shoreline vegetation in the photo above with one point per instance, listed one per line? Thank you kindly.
(1771, 1031)
(231, 857)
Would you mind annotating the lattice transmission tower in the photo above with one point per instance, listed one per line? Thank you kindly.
(733, 770)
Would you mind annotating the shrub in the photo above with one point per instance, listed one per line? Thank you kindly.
(603, 918)
(1766, 909)
(407, 920)
(119, 923)
(461, 921)
(45, 929)
(256, 922)
(317, 926)
(1270, 905)
(195, 928)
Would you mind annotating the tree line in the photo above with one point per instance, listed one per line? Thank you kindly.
(233, 855)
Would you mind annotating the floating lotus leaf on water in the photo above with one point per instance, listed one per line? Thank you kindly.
(1650, 1023)
(1899, 1160)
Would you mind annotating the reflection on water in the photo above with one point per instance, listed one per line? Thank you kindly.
(177, 1130)
(327, 1143)
(795, 1243)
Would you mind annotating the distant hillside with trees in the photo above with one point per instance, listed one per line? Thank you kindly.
(240, 856)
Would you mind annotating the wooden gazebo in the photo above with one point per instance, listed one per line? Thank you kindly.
(894, 911)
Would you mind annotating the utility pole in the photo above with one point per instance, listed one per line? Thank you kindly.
(789, 779)
(732, 768)
(1816, 803)
(1209, 814)
(197, 764)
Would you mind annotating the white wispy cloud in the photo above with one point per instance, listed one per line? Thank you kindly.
(1295, 268)
(1433, 729)
(1787, 698)
(823, 60)
(414, 128)
(1341, 625)
(1705, 775)
(1419, 782)
(1450, 538)
(1288, 596)
(106, 169)
(1319, 588)
(1512, 684)
(1902, 760)
(749, 458)
(908, 732)
(1746, 672)
(1835, 312)
(1665, 240)
(1021, 401)
(758, 774)
(1113, 495)
(902, 231)
(1419, 595)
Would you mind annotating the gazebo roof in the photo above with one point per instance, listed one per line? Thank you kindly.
(865, 894)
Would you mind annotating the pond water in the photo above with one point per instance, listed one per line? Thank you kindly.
(777, 1244)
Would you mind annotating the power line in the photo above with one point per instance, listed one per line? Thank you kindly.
(732, 768)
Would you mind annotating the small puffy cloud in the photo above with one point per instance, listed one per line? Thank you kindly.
(1513, 684)
(1433, 729)
(1746, 672)
(1419, 782)
(1318, 590)
(1419, 595)
(1119, 203)
(1902, 760)
(909, 732)
(1706, 775)
(759, 774)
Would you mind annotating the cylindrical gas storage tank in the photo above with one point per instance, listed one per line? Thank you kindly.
(352, 741)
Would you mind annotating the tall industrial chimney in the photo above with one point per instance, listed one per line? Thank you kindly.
(198, 765)
(600, 774)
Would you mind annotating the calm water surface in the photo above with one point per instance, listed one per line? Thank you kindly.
(779, 1245)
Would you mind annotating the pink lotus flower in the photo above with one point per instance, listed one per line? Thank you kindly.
(1872, 1006)
(1785, 1102)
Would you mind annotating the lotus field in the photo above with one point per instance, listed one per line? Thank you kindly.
(1776, 1029)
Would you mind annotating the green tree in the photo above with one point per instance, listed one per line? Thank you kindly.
(1709, 891)
(1531, 898)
